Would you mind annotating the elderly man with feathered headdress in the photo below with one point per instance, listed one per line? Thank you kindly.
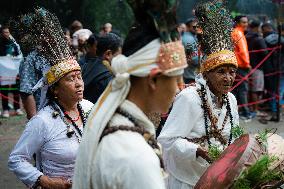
(203, 116)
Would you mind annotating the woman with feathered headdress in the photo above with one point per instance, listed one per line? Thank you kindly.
(55, 132)
(203, 115)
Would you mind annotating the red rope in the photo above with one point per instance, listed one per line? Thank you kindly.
(256, 102)
(253, 70)
(6, 97)
(267, 49)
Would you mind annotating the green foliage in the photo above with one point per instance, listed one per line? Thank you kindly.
(95, 13)
(262, 136)
(258, 174)
(237, 131)
(214, 152)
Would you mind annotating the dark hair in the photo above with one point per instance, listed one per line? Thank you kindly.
(254, 24)
(50, 95)
(138, 37)
(65, 30)
(92, 40)
(76, 25)
(108, 41)
(267, 25)
(190, 21)
(237, 19)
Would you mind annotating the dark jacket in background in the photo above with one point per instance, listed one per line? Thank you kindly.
(256, 42)
(271, 40)
(96, 77)
(8, 46)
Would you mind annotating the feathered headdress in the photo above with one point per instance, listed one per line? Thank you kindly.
(156, 19)
(158, 14)
(216, 43)
(44, 31)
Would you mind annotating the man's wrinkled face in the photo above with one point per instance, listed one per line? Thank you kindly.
(221, 79)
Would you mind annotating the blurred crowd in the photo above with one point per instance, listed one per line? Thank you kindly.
(90, 50)
(254, 39)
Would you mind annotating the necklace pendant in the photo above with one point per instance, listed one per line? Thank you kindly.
(70, 132)
(55, 114)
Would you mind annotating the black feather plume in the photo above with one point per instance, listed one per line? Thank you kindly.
(216, 24)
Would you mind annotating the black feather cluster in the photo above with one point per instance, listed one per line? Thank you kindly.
(216, 24)
(153, 19)
(42, 30)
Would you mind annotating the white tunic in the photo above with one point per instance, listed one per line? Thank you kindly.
(46, 137)
(124, 160)
(186, 119)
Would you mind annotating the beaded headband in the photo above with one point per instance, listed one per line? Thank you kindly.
(216, 43)
(59, 70)
(44, 30)
(171, 57)
(214, 60)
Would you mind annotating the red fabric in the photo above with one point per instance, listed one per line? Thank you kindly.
(241, 48)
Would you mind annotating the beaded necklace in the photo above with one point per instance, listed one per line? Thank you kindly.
(214, 131)
(150, 139)
(72, 119)
(57, 107)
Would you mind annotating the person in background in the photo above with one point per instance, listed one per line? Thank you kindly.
(75, 26)
(107, 28)
(282, 71)
(101, 32)
(256, 42)
(68, 36)
(79, 39)
(190, 43)
(203, 114)
(97, 71)
(242, 54)
(181, 28)
(271, 39)
(31, 70)
(91, 48)
(9, 47)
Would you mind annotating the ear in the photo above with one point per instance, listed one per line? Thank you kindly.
(107, 55)
(205, 76)
(152, 82)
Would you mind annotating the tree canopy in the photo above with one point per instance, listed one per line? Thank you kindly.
(94, 13)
